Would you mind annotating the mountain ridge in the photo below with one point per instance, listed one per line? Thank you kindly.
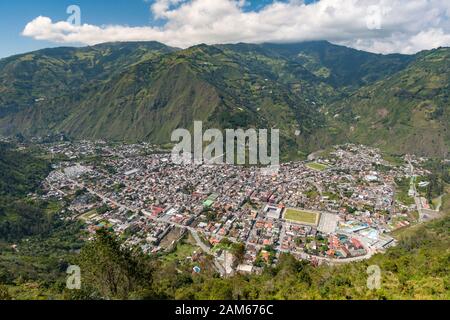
(142, 91)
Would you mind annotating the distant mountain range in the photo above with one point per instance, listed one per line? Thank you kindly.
(143, 91)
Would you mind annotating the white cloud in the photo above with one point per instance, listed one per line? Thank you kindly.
(384, 26)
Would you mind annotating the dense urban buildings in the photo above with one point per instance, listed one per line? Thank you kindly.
(337, 207)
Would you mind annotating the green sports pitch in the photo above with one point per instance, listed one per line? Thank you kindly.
(301, 216)
(317, 166)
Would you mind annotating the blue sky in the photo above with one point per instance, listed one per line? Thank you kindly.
(14, 15)
(383, 26)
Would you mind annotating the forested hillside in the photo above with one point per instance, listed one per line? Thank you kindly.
(20, 174)
(143, 91)
(404, 113)
(35, 244)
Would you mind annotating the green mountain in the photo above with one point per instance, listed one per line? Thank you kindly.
(151, 99)
(338, 66)
(46, 241)
(31, 79)
(143, 91)
(21, 173)
(406, 112)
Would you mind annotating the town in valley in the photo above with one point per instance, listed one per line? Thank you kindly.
(341, 205)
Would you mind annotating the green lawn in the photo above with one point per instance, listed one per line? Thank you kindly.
(89, 215)
(182, 251)
(317, 166)
(437, 202)
(393, 159)
(402, 191)
(404, 198)
(445, 208)
(301, 216)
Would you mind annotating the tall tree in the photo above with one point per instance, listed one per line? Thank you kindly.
(110, 270)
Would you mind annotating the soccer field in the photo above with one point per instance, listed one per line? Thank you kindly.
(317, 166)
(301, 216)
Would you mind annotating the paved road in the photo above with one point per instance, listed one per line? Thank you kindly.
(207, 249)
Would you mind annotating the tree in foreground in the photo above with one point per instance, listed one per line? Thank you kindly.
(109, 270)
